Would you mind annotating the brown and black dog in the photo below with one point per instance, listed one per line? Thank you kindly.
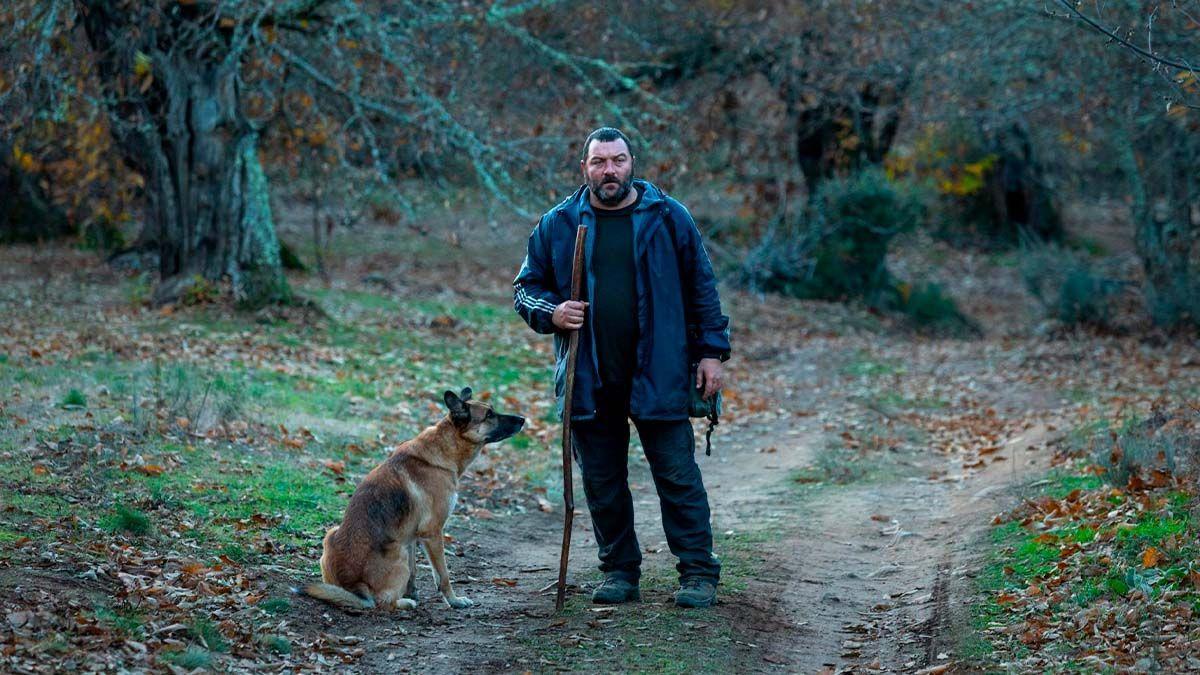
(369, 560)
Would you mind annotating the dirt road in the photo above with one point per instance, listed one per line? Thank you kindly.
(821, 577)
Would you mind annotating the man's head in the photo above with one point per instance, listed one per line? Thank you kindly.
(608, 165)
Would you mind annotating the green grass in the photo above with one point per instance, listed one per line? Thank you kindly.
(277, 644)
(190, 659)
(204, 631)
(864, 366)
(1064, 484)
(276, 605)
(126, 519)
(74, 399)
(129, 623)
(1018, 560)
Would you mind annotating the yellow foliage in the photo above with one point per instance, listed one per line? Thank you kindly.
(1187, 79)
(142, 64)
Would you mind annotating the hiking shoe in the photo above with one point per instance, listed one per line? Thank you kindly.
(696, 593)
(615, 589)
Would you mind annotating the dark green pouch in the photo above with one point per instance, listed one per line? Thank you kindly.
(709, 408)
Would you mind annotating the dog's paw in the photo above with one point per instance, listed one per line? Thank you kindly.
(459, 602)
(405, 604)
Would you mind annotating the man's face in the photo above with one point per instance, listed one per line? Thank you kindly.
(608, 170)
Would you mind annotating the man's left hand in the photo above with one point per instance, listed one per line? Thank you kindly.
(710, 376)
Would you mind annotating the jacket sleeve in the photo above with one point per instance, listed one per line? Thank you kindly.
(532, 295)
(704, 304)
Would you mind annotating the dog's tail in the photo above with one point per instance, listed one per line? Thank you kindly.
(337, 595)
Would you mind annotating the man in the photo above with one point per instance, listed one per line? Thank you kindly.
(649, 309)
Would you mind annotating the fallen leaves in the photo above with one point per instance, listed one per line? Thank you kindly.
(1108, 570)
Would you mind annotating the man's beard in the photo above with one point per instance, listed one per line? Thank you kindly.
(617, 197)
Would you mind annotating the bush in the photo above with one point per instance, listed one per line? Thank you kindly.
(1174, 304)
(1067, 286)
(928, 308)
(1141, 447)
(841, 251)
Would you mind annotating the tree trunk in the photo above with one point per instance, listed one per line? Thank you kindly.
(841, 136)
(209, 193)
(1022, 203)
(182, 126)
(1166, 213)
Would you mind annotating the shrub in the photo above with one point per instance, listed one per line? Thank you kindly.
(1174, 303)
(1142, 446)
(841, 250)
(928, 308)
(1068, 287)
(199, 291)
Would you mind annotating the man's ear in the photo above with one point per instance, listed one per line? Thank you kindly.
(459, 413)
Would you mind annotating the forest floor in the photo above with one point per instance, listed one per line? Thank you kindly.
(167, 475)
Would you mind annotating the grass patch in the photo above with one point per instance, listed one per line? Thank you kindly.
(276, 605)
(862, 365)
(204, 631)
(74, 399)
(129, 623)
(1076, 543)
(125, 519)
(192, 658)
(277, 644)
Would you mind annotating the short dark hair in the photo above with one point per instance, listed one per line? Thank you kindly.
(604, 135)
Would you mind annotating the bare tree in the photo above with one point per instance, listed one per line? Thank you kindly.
(190, 89)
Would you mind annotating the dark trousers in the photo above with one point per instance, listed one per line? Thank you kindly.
(601, 448)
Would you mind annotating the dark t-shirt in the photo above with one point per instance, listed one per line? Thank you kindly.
(614, 309)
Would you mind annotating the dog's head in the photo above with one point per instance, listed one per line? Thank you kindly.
(477, 422)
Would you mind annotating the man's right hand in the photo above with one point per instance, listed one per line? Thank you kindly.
(569, 315)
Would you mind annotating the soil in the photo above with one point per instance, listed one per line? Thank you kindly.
(857, 578)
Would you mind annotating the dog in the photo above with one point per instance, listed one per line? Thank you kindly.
(369, 560)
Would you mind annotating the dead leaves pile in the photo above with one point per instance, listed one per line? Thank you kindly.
(1107, 576)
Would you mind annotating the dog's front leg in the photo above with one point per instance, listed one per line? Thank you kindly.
(410, 589)
(435, 548)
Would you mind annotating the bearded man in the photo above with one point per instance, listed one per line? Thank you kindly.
(650, 309)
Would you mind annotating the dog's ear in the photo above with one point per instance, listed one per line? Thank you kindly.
(459, 413)
(466, 394)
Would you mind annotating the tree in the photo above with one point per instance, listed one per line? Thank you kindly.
(1153, 131)
(195, 92)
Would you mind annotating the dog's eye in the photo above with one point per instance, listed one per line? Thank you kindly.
(490, 414)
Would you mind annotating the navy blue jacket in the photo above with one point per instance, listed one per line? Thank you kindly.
(678, 310)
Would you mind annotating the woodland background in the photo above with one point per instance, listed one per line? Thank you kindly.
(247, 243)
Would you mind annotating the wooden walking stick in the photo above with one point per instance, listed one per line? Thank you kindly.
(568, 489)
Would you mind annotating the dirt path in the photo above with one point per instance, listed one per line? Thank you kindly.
(859, 577)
